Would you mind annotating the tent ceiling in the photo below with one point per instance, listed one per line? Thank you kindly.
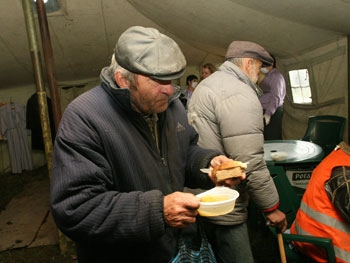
(84, 32)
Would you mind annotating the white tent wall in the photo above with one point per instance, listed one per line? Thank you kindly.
(328, 69)
(69, 90)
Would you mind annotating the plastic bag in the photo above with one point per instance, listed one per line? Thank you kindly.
(194, 251)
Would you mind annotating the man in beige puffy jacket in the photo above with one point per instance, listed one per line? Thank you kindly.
(226, 112)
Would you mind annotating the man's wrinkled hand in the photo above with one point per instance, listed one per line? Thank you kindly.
(180, 209)
(277, 219)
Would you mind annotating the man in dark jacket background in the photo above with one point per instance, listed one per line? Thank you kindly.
(124, 152)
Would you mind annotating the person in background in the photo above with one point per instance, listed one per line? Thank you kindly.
(325, 207)
(33, 122)
(274, 90)
(207, 70)
(226, 113)
(192, 82)
(124, 152)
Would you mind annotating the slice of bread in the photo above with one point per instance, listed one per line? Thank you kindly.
(229, 169)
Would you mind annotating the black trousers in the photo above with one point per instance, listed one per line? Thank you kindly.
(273, 131)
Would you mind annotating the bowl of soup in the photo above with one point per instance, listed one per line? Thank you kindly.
(217, 201)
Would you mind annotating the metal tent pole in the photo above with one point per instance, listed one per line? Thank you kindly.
(40, 87)
(44, 115)
(49, 62)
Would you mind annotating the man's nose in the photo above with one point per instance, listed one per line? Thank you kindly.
(168, 89)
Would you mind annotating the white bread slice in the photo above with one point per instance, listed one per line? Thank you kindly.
(229, 169)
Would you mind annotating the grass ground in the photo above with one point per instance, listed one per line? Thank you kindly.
(263, 244)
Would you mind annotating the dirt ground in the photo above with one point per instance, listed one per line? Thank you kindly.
(13, 186)
(263, 244)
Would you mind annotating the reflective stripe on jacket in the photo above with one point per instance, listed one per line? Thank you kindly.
(317, 215)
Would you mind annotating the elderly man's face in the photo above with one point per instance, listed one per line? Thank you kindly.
(150, 95)
(254, 67)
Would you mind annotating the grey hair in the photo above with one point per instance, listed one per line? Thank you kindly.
(237, 61)
(115, 67)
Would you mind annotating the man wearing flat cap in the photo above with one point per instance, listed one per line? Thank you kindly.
(123, 153)
(226, 112)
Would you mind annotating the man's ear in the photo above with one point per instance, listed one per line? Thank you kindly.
(121, 80)
(247, 62)
(250, 61)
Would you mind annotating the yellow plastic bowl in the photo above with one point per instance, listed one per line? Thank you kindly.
(217, 201)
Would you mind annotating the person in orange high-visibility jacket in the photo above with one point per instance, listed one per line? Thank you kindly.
(318, 216)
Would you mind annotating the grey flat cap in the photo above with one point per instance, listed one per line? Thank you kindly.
(246, 49)
(148, 52)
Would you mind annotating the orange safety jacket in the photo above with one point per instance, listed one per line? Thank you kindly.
(317, 215)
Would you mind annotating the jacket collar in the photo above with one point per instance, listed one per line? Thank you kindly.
(232, 69)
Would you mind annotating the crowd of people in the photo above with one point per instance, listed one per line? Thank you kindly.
(126, 150)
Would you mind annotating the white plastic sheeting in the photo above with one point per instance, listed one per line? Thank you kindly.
(328, 71)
